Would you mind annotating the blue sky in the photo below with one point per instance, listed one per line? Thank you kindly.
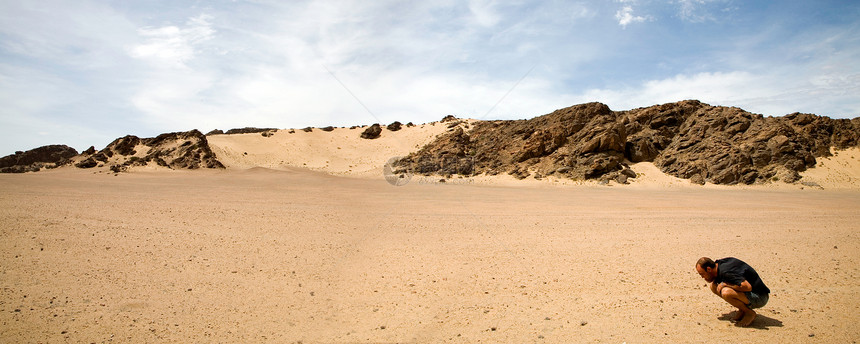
(86, 72)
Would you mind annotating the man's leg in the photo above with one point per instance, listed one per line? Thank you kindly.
(740, 301)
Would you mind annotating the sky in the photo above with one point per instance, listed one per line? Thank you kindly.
(84, 73)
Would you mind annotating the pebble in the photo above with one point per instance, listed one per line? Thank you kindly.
(583, 323)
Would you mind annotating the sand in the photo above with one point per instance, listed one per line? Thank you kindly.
(286, 256)
(303, 240)
(338, 152)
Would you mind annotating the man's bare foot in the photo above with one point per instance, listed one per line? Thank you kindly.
(738, 315)
(747, 319)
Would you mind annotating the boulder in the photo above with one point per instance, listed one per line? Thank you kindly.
(372, 132)
(395, 126)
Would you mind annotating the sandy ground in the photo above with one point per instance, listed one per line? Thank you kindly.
(289, 256)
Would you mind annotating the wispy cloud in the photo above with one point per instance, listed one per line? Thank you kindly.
(625, 16)
(173, 45)
(149, 67)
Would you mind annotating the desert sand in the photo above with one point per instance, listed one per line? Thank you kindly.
(268, 251)
(337, 152)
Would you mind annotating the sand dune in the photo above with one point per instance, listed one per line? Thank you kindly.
(338, 152)
(840, 171)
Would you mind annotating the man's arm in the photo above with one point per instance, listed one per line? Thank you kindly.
(714, 288)
(745, 286)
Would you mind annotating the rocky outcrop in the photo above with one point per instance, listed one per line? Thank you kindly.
(583, 141)
(247, 130)
(724, 145)
(180, 150)
(394, 126)
(687, 139)
(35, 159)
(372, 132)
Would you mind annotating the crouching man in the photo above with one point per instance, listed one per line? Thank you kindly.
(737, 283)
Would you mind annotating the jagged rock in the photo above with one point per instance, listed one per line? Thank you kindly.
(308, 129)
(687, 139)
(729, 146)
(33, 160)
(180, 150)
(372, 132)
(448, 118)
(89, 151)
(584, 138)
(215, 132)
(395, 126)
(125, 145)
(409, 125)
(328, 128)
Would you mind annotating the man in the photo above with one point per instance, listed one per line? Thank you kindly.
(737, 283)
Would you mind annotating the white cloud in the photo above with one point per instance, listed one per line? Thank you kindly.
(144, 69)
(769, 94)
(484, 12)
(172, 45)
(625, 16)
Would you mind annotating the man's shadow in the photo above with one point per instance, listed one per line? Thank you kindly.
(761, 321)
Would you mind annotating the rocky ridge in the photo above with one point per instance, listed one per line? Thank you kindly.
(688, 139)
(179, 150)
(33, 160)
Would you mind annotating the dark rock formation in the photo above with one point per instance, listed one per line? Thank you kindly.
(686, 139)
(215, 132)
(372, 132)
(180, 150)
(448, 118)
(395, 126)
(725, 145)
(328, 128)
(583, 141)
(248, 130)
(33, 160)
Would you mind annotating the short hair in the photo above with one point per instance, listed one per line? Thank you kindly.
(706, 262)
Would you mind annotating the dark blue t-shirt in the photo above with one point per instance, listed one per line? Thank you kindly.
(734, 271)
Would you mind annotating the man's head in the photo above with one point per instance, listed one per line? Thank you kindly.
(707, 268)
